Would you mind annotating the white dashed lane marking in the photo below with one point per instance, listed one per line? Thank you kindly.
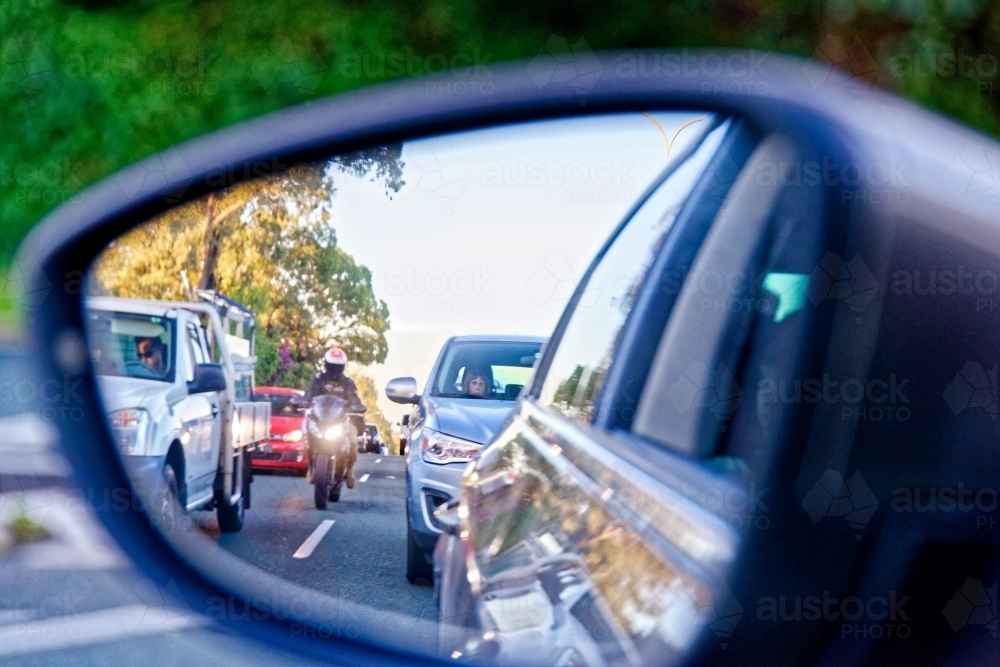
(364, 478)
(313, 540)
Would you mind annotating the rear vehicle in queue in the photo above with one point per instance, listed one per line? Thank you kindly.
(285, 449)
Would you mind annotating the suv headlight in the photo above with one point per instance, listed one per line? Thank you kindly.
(293, 436)
(130, 429)
(440, 448)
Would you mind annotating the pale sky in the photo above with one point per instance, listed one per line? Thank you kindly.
(493, 228)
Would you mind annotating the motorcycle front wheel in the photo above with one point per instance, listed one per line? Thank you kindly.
(321, 481)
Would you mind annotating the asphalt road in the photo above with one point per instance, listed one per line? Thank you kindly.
(362, 556)
(74, 599)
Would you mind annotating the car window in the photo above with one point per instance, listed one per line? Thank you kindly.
(578, 369)
(195, 344)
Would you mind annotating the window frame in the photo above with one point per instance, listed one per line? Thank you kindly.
(687, 233)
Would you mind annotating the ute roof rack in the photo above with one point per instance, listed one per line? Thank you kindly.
(228, 308)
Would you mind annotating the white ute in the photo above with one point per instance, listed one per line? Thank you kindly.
(177, 386)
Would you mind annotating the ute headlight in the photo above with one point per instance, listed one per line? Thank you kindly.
(293, 436)
(130, 429)
(333, 432)
(440, 448)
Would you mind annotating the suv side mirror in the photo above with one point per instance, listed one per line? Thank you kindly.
(402, 390)
(207, 377)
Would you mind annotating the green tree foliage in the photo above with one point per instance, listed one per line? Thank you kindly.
(88, 86)
(268, 243)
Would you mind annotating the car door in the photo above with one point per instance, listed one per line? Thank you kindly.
(606, 517)
(202, 410)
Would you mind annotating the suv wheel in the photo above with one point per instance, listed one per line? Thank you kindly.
(417, 567)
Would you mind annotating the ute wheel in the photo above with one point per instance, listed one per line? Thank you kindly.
(247, 479)
(168, 509)
(417, 566)
(321, 481)
(230, 515)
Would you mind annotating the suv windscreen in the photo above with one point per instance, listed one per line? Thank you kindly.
(132, 345)
(486, 370)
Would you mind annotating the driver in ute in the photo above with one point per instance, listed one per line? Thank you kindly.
(333, 381)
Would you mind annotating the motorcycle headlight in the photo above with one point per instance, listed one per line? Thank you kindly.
(293, 436)
(333, 432)
(440, 448)
(130, 429)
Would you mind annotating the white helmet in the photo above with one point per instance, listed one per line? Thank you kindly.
(335, 356)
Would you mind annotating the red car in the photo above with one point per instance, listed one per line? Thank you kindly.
(286, 448)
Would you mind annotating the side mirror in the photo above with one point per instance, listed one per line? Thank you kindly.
(402, 390)
(208, 377)
(446, 517)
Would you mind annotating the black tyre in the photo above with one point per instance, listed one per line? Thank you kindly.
(247, 479)
(168, 508)
(321, 481)
(230, 515)
(417, 567)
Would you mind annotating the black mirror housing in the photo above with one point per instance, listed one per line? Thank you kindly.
(208, 377)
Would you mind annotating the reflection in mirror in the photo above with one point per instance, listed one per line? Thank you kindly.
(246, 345)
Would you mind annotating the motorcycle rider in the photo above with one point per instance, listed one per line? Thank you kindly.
(333, 381)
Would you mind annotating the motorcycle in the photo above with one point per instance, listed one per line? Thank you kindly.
(331, 434)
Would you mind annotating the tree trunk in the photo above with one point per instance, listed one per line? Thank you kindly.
(210, 246)
(212, 242)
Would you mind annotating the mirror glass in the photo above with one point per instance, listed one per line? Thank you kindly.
(243, 343)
